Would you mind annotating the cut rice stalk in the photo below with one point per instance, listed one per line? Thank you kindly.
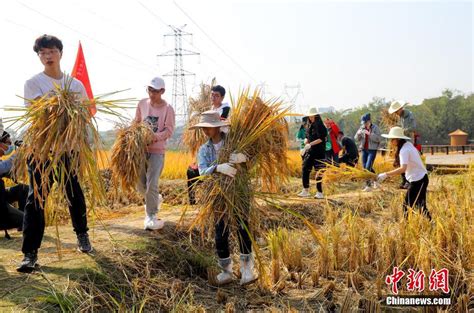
(129, 154)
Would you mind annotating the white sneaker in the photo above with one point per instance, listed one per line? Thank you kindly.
(226, 274)
(247, 269)
(304, 193)
(153, 223)
(319, 195)
(367, 189)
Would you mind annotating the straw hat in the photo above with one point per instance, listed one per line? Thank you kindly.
(396, 133)
(396, 105)
(210, 119)
(312, 112)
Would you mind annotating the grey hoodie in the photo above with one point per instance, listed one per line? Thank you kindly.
(374, 138)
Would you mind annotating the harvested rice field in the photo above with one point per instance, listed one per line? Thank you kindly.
(331, 255)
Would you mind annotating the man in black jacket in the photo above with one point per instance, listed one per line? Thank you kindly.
(350, 154)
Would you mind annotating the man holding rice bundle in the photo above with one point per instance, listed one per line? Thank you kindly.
(155, 111)
(314, 153)
(49, 49)
(211, 123)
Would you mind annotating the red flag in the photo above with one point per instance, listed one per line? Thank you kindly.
(80, 72)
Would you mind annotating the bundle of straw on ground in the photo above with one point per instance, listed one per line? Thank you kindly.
(333, 173)
(129, 154)
(62, 140)
(193, 139)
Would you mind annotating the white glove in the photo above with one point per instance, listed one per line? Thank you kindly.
(236, 158)
(226, 169)
(307, 147)
(381, 177)
(302, 152)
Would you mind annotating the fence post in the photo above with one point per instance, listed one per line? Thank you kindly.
(447, 149)
(462, 149)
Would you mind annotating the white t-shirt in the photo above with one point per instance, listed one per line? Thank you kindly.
(411, 157)
(224, 129)
(221, 109)
(41, 84)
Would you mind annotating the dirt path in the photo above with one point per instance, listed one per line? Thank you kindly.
(16, 288)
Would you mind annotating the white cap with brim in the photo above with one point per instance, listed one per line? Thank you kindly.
(156, 83)
(396, 105)
(312, 112)
(396, 133)
(210, 119)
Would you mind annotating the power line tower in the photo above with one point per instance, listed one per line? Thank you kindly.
(292, 93)
(180, 98)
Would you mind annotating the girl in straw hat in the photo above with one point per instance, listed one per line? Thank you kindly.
(211, 123)
(314, 153)
(408, 161)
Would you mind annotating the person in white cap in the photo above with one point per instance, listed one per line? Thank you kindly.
(211, 123)
(314, 153)
(155, 111)
(408, 161)
(407, 123)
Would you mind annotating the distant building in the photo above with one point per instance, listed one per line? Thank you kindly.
(329, 109)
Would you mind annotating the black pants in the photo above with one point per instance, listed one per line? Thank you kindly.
(192, 174)
(222, 239)
(311, 161)
(11, 217)
(348, 160)
(34, 222)
(416, 197)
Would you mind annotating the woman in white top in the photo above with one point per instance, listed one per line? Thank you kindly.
(408, 161)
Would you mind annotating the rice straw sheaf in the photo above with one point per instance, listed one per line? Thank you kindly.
(333, 173)
(388, 120)
(128, 154)
(62, 140)
(257, 129)
(193, 139)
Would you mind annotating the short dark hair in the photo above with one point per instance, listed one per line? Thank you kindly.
(219, 89)
(341, 133)
(47, 41)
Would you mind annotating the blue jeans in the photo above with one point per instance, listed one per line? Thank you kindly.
(368, 158)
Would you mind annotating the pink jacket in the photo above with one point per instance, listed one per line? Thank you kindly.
(162, 121)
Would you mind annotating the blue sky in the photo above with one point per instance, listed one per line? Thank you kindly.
(342, 53)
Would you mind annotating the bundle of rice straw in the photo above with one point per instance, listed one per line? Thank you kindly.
(388, 120)
(62, 140)
(193, 139)
(129, 154)
(343, 172)
(257, 129)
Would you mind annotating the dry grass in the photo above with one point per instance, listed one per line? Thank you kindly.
(128, 154)
(342, 261)
(193, 139)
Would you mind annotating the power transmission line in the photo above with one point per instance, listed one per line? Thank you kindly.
(213, 41)
(180, 98)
